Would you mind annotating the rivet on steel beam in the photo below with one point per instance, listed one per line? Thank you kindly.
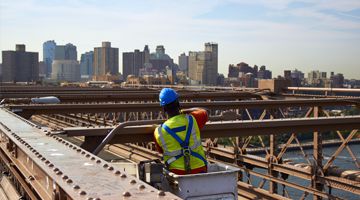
(123, 176)
(161, 193)
(117, 172)
(69, 181)
(97, 198)
(43, 159)
(60, 140)
(111, 168)
(83, 152)
(51, 165)
(63, 141)
(93, 158)
(98, 161)
(78, 150)
(47, 162)
(56, 169)
(105, 165)
(70, 145)
(126, 194)
(76, 187)
(31, 178)
(132, 181)
(65, 177)
(141, 187)
(59, 173)
(90, 198)
(87, 155)
(82, 193)
(74, 148)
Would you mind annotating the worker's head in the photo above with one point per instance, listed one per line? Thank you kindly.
(169, 100)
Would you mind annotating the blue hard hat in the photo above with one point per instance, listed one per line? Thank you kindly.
(167, 95)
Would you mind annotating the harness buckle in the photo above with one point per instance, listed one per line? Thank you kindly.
(186, 151)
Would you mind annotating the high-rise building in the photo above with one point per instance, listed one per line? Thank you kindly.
(134, 61)
(160, 60)
(65, 52)
(20, 65)
(316, 78)
(337, 80)
(87, 64)
(203, 65)
(183, 62)
(263, 73)
(48, 55)
(66, 70)
(42, 70)
(106, 60)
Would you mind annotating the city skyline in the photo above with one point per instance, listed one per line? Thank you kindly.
(281, 34)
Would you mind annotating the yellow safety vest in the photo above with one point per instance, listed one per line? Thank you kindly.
(178, 136)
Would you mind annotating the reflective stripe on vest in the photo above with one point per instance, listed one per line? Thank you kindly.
(184, 144)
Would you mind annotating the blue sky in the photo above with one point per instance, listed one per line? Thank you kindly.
(281, 34)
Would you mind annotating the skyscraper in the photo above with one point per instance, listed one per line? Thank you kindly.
(65, 66)
(183, 62)
(160, 60)
(203, 65)
(134, 61)
(65, 52)
(48, 55)
(106, 60)
(87, 64)
(19, 65)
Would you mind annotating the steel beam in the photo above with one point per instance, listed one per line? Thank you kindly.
(27, 110)
(228, 129)
(57, 169)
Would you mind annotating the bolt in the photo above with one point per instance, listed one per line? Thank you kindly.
(43, 159)
(76, 187)
(126, 194)
(74, 148)
(132, 181)
(161, 193)
(47, 162)
(51, 165)
(59, 173)
(69, 181)
(111, 168)
(123, 176)
(70, 145)
(87, 155)
(105, 165)
(31, 178)
(93, 158)
(65, 177)
(98, 161)
(83, 152)
(141, 187)
(56, 169)
(117, 172)
(90, 198)
(82, 193)
(78, 150)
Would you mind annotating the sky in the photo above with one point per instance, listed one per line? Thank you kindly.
(281, 34)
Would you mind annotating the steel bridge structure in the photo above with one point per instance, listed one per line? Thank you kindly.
(51, 151)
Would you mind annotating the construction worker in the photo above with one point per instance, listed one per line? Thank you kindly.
(179, 137)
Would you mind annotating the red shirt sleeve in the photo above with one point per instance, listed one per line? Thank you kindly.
(201, 117)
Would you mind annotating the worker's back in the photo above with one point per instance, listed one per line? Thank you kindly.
(185, 127)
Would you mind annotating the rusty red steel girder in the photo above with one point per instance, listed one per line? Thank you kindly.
(229, 129)
(58, 169)
(148, 107)
(78, 96)
(314, 89)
